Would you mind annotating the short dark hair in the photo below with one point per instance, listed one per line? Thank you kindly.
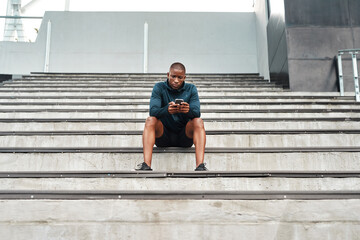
(178, 66)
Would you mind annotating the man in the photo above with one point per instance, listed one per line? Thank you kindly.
(174, 124)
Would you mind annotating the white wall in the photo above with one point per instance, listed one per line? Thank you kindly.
(113, 42)
(261, 36)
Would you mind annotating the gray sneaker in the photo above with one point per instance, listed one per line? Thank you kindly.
(201, 167)
(143, 167)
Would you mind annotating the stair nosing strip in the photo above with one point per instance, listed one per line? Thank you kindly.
(179, 174)
(202, 103)
(180, 150)
(138, 120)
(208, 132)
(178, 195)
(139, 110)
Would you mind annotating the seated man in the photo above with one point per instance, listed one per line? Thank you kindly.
(174, 124)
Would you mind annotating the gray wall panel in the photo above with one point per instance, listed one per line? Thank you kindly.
(281, 56)
(315, 31)
(277, 46)
(275, 30)
(113, 42)
(18, 58)
(318, 42)
(282, 76)
(356, 31)
(354, 6)
(349, 73)
(305, 75)
(317, 12)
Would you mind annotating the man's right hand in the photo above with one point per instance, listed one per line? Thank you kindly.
(173, 108)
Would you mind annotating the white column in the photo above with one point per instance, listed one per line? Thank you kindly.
(67, 5)
(146, 46)
(47, 48)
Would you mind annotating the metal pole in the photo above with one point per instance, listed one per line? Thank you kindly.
(146, 45)
(356, 77)
(47, 49)
(341, 78)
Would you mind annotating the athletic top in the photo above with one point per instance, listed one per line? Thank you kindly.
(162, 94)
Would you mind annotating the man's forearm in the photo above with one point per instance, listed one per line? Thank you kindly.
(158, 112)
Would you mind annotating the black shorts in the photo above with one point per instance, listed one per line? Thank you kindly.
(171, 139)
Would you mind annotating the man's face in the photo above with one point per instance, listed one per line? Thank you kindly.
(176, 78)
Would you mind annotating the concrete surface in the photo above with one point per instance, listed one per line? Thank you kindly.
(182, 184)
(186, 219)
(231, 141)
(209, 125)
(181, 219)
(313, 161)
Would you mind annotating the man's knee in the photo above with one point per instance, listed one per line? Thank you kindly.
(198, 123)
(151, 122)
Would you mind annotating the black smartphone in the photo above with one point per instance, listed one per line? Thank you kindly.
(179, 101)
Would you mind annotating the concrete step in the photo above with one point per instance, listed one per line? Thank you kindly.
(237, 140)
(101, 125)
(226, 81)
(168, 219)
(197, 184)
(99, 92)
(50, 208)
(202, 95)
(140, 78)
(181, 181)
(240, 95)
(205, 111)
(238, 100)
(143, 101)
(70, 114)
(129, 89)
(139, 105)
(133, 83)
(117, 159)
(132, 75)
(209, 81)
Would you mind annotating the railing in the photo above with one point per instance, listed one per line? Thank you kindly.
(19, 28)
(353, 53)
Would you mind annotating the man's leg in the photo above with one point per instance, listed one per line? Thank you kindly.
(195, 129)
(153, 129)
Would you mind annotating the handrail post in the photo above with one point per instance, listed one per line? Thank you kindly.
(356, 76)
(341, 77)
(47, 48)
(353, 53)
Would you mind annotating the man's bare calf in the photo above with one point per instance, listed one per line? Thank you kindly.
(154, 129)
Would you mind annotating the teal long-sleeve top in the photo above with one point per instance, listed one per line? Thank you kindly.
(162, 94)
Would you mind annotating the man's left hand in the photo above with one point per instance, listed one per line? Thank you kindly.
(184, 107)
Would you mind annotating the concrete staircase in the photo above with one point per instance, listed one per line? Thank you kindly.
(284, 165)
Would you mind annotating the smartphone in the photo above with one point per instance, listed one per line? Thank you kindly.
(179, 101)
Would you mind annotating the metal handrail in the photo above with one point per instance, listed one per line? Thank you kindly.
(353, 53)
(17, 17)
